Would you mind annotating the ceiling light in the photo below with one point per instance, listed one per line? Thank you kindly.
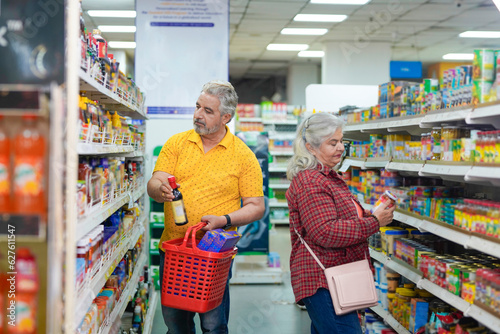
(116, 28)
(480, 34)
(111, 13)
(341, 2)
(459, 56)
(121, 45)
(303, 31)
(497, 3)
(311, 54)
(287, 47)
(319, 18)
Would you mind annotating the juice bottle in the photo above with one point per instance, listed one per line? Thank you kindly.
(29, 151)
(26, 293)
(5, 169)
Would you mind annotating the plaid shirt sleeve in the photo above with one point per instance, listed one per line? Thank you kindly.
(323, 212)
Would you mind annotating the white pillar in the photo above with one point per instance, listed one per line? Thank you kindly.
(299, 77)
(356, 63)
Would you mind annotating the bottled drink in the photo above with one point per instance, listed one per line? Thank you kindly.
(5, 169)
(178, 209)
(29, 168)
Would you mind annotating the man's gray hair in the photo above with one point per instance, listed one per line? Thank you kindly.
(226, 94)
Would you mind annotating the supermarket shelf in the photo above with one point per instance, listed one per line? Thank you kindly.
(89, 222)
(107, 97)
(486, 318)
(287, 153)
(352, 162)
(278, 204)
(436, 118)
(126, 295)
(154, 252)
(280, 221)
(157, 225)
(95, 285)
(410, 124)
(468, 240)
(389, 319)
(279, 185)
(250, 119)
(148, 323)
(490, 174)
(486, 113)
(380, 124)
(280, 122)
(403, 166)
(446, 170)
(92, 149)
(277, 169)
(376, 162)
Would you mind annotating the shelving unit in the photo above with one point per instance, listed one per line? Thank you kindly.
(148, 323)
(389, 319)
(76, 300)
(468, 173)
(121, 305)
(416, 276)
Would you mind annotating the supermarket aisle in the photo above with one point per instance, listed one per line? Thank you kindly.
(262, 309)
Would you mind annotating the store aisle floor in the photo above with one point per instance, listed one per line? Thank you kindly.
(261, 308)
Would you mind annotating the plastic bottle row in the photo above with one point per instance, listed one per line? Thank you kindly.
(23, 165)
(100, 180)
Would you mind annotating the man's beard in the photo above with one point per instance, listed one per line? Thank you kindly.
(204, 131)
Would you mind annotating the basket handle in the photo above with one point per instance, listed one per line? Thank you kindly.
(193, 229)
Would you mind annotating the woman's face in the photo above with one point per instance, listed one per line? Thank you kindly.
(330, 151)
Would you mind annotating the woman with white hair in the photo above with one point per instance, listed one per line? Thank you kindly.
(329, 218)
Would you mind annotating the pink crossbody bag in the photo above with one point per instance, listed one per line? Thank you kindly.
(351, 285)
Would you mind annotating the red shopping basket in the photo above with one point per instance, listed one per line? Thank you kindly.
(193, 280)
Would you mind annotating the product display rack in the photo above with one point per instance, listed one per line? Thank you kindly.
(465, 172)
(76, 301)
(148, 327)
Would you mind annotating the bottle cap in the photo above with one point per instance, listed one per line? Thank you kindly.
(171, 181)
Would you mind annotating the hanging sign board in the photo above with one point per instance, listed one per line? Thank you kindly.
(181, 45)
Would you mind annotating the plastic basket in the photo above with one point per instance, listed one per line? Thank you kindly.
(193, 280)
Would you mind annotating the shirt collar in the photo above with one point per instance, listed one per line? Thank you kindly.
(226, 141)
(326, 170)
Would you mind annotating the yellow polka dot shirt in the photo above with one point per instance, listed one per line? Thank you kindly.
(211, 183)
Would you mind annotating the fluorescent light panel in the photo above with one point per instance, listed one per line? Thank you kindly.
(311, 54)
(121, 45)
(303, 31)
(480, 34)
(117, 28)
(111, 13)
(459, 56)
(497, 3)
(319, 18)
(287, 47)
(341, 2)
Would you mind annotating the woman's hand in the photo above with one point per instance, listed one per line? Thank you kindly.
(385, 215)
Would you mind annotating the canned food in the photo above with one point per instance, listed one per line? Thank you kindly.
(387, 197)
(483, 65)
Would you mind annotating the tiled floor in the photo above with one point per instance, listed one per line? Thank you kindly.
(261, 308)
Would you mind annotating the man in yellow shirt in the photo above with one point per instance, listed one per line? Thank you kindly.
(221, 183)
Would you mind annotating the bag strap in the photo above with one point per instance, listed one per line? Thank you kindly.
(309, 249)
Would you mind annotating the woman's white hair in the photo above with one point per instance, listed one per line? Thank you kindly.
(314, 130)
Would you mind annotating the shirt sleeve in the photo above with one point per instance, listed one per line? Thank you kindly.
(167, 159)
(251, 181)
(323, 220)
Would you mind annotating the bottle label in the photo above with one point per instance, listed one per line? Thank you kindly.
(179, 212)
(28, 176)
(4, 176)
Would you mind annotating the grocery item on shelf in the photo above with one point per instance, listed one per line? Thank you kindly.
(5, 169)
(29, 155)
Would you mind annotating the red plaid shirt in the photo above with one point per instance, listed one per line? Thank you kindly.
(323, 212)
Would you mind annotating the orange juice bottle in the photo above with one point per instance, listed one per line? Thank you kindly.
(29, 149)
(5, 169)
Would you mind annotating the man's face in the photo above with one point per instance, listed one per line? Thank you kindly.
(207, 118)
